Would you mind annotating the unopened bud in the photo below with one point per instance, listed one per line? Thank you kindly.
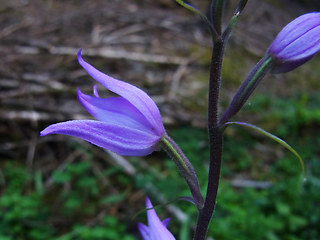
(297, 43)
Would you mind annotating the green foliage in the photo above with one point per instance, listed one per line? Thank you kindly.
(109, 229)
(26, 208)
(288, 116)
(22, 214)
(286, 210)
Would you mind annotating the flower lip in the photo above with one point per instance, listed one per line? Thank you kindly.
(116, 110)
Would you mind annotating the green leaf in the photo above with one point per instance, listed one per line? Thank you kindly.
(273, 137)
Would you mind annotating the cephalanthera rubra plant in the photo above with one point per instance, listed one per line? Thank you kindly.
(130, 124)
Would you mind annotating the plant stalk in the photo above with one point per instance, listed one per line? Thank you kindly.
(215, 142)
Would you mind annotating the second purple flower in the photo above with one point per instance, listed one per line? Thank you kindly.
(156, 229)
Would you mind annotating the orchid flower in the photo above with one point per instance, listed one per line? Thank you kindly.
(297, 43)
(129, 124)
(157, 229)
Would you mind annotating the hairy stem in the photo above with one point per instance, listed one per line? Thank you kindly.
(215, 143)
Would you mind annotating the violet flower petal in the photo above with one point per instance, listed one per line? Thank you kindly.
(165, 222)
(134, 95)
(114, 110)
(153, 219)
(144, 230)
(156, 230)
(119, 139)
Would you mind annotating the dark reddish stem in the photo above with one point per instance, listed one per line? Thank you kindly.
(215, 142)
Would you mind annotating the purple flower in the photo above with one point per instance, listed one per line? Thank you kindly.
(297, 43)
(157, 229)
(129, 124)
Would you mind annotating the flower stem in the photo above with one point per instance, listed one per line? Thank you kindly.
(247, 87)
(185, 168)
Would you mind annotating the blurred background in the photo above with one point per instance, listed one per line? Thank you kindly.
(60, 187)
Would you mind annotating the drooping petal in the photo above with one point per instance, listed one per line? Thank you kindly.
(134, 95)
(119, 139)
(114, 110)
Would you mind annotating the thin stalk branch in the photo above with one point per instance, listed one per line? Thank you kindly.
(213, 31)
(247, 87)
(216, 12)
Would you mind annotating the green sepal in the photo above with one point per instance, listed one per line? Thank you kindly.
(273, 137)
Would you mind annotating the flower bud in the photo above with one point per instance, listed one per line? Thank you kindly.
(297, 43)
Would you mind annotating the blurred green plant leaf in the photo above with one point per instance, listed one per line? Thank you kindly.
(273, 137)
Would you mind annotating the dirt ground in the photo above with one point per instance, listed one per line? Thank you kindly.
(154, 45)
